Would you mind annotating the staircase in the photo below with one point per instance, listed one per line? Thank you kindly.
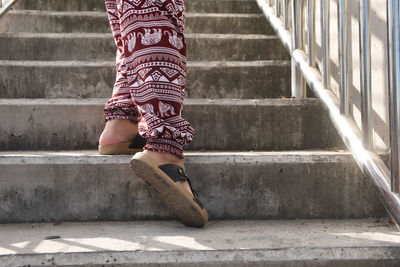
(271, 170)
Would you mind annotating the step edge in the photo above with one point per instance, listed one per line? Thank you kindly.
(111, 63)
(169, 258)
(98, 14)
(193, 157)
(93, 35)
(187, 101)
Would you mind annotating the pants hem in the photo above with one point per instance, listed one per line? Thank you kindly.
(165, 145)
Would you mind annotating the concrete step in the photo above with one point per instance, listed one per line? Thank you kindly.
(358, 243)
(84, 186)
(226, 124)
(311, 243)
(201, 6)
(205, 79)
(94, 46)
(54, 21)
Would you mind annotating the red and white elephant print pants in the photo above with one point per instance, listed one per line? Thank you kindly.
(151, 71)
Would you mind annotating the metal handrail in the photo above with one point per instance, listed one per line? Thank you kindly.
(5, 5)
(303, 68)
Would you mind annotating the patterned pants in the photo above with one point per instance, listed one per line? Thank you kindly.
(151, 71)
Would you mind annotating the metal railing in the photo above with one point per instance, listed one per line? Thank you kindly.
(358, 141)
(5, 5)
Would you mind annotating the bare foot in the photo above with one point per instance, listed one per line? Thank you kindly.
(118, 131)
(166, 158)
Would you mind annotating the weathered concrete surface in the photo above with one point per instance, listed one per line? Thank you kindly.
(206, 6)
(350, 243)
(82, 186)
(101, 47)
(60, 21)
(86, 79)
(224, 124)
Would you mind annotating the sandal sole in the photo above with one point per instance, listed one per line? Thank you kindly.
(176, 198)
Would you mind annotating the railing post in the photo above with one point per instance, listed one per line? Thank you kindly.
(365, 74)
(277, 13)
(393, 30)
(311, 32)
(285, 14)
(298, 82)
(326, 72)
(343, 57)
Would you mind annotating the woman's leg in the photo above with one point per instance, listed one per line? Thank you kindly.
(155, 67)
(121, 115)
(152, 64)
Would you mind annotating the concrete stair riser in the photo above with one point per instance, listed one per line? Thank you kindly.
(42, 21)
(206, 6)
(274, 185)
(101, 47)
(219, 124)
(217, 79)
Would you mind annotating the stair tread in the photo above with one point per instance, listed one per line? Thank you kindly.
(168, 242)
(55, 63)
(188, 101)
(223, 6)
(109, 35)
(103, 14)
(92, 157)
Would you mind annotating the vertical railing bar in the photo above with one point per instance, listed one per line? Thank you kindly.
(294, 14)
(277, 13)
(326, 74)
(343, 57)
(311, 32)
(393, 25)
(365, 74)
(298, 82)
(285, 14)
(303, 24)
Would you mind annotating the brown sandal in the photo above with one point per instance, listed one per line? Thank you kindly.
(129, 148)
(166, 180)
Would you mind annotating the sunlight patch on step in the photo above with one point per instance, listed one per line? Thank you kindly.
(375, 236)
(182, 241)
(158, 243)
(75, 245)
(21, 244)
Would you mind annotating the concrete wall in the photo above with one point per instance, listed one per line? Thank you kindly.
(380, 116)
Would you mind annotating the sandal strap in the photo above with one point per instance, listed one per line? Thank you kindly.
(178, 174)
(138, 142)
